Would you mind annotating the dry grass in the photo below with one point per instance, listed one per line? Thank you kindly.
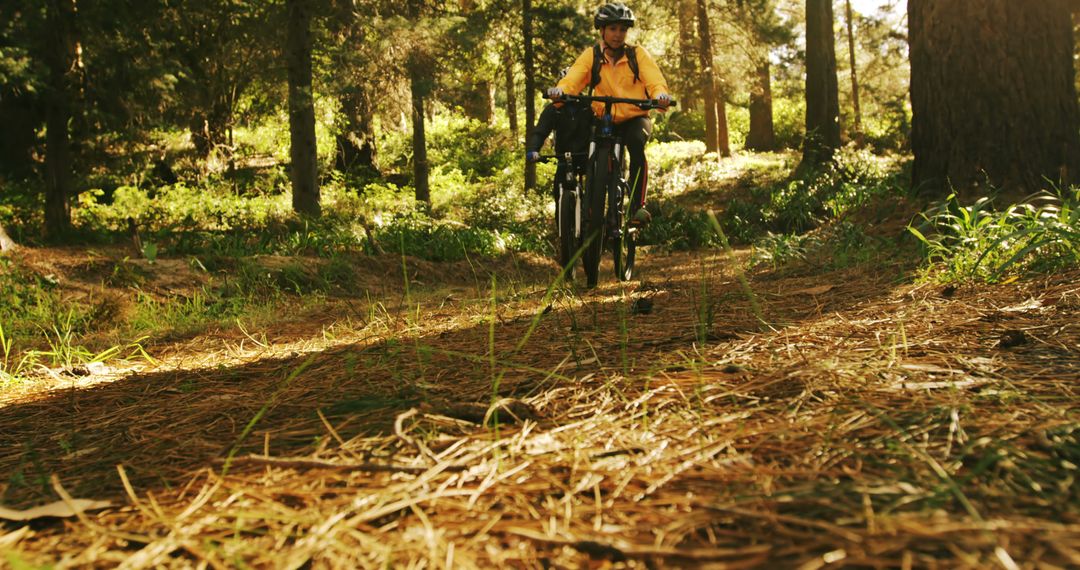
(871, 424)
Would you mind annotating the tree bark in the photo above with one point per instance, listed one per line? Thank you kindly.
(303, 169)
(418, 89)
(687, 12)
(530, 86)
(822, 98)
(993, 96)
(511, 92)
(762, 135)
(857, 128)
(708, 79)
(355, 144)
(60, 60)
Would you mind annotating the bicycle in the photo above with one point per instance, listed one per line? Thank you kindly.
(606, 187)
(567, 210)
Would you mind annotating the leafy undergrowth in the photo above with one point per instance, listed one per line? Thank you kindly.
(868, 421)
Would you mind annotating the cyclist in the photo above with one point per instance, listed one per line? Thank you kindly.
(571, 123)
(628, 72)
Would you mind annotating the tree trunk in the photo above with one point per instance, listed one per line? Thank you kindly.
(687, 12)
(511, 93)
(708, 79)
(303, 169)
(762, 135)
(854, 76)
(530, 86)
(60, 60)
(6, 243)
(418, 88)
(822, 99)
(723, 137)
(355, 144)
(993, 96)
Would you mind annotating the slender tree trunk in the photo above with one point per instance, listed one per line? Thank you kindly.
(723, 137)
(530, 86)
(303, 169)
(687, 12)
(822, 99)
(708, 79)
(762, 135)
(6, 243)
(418, 88)
(511, 93)
(854, 75)
(60, 59)
(993, 96)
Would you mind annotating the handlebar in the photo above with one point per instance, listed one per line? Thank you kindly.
(550, 157)
(646, 104)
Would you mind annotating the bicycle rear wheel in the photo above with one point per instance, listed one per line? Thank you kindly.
(568, 237)
(596, 183)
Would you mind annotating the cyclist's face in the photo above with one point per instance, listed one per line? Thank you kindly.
(614, 35)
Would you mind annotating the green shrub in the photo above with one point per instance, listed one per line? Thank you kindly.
(978, 242)
(676, 228)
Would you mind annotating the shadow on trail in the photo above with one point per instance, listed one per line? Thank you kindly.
(165, 426)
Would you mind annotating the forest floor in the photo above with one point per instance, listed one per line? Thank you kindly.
(470, 417)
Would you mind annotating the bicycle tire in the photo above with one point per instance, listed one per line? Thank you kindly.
(625, 250)
(568, 240)
(596, 183)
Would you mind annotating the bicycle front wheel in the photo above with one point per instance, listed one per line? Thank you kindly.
(569, 216)
(596, 183)
(625, 250)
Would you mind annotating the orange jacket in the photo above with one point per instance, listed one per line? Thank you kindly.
(616, 80)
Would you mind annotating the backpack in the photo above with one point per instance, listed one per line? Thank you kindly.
(598, 61)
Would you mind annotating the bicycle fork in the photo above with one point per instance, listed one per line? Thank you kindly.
(575, 192)
(615, 184)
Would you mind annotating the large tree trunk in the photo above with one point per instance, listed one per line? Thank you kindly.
(687, 12)
(418, 88)
(477, 100)
(993, 96)
(303, 169)
(708, 79)
(60, 59)
(6, 243)
(355, 144)
(822, 99)
(762, 135)
(857, 128)
(511, 92)
(530, 86)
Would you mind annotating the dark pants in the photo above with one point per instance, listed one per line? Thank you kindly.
(635, 133)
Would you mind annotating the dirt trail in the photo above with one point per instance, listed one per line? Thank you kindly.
(868, 422)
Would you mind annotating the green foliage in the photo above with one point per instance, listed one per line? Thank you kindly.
(789, 121)
(805, 202)
(677, 228)
(420, 236)
(779, 249)
(477, 149)
(980, 243)
(680, 126)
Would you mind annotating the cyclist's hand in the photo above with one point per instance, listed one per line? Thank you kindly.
(664, 100)
(555, 93)
(532, 156)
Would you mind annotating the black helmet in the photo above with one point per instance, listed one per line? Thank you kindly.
(614, 13)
